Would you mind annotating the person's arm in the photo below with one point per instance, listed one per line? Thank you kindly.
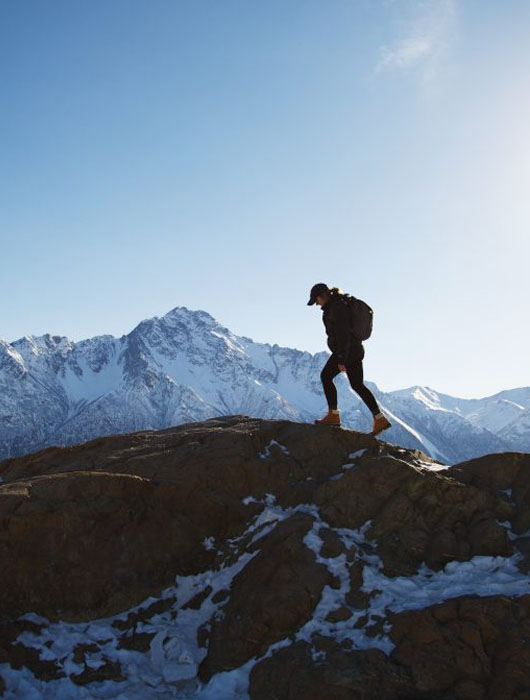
(342, 327)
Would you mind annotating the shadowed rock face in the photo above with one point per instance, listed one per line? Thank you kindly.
(111, 521)
(340, 674)
(318, 523)
(273, 595)
(463, 648)
(474, 647)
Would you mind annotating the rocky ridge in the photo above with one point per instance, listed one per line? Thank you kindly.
(249, 558)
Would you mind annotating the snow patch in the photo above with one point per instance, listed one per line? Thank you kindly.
(266, 452)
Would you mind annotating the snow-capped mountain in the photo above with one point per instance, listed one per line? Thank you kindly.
(186, 367)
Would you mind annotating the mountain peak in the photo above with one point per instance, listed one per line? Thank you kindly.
(184, 312)
(42, 344)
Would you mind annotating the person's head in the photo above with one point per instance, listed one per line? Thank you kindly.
(319, 294)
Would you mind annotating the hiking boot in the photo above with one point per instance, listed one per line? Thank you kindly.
(331, 418)
(380, 424)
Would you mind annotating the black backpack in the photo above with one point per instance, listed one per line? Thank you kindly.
(362, 317)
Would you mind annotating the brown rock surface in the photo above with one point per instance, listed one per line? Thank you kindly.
(467, 647)
(294, 674)
(108, 522)
(275, 594)
(90, 543)
(507, 475)
(417, 515)
(95, 529)
(509, 470)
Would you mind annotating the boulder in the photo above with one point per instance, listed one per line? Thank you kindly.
(467, 647)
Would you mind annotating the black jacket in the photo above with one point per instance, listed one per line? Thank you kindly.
(343, 344)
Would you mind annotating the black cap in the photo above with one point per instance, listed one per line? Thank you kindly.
(317, 289)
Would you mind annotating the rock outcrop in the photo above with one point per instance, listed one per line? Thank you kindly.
(268, 559)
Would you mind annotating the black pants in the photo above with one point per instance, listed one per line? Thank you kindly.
(354, 370)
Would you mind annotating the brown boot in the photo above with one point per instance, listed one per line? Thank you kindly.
(330, 418)
(380, 423)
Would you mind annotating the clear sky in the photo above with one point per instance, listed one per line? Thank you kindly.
(226, 155)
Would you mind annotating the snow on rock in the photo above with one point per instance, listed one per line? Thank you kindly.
(266, 453)
(215, 560)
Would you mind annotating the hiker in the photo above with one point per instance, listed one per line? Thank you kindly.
(347, 353)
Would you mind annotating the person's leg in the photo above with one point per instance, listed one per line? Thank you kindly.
(354, 370)
(330, 371)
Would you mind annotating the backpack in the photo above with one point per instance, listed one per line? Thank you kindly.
(362, 317)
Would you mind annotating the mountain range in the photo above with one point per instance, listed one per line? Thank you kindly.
(185, 367)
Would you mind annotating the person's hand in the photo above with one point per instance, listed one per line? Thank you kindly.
(342, 368)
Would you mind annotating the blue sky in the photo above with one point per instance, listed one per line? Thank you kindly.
(226, 155)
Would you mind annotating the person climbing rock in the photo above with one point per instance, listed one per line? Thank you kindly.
(347, 353)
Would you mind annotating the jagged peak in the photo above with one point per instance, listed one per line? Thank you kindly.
(10, 350)
(179, 311)
(104, 338)
(424, 392)
(407, 391)
(45, 342)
